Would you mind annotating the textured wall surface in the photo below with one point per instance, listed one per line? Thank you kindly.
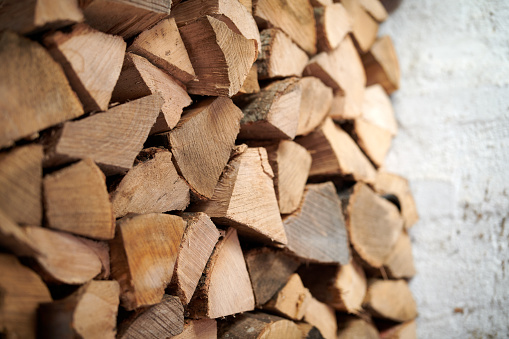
(453, 146)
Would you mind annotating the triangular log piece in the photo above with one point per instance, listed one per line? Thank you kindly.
(316, 230)
(143, 256)
(163, 46)
(400, 262)
(20, 184)
(337, 111)
(357, 328)
(126, 18)
(309, 331)
(322, 317)
(220, 57)
(77, 201)
(333, 23)
(260, 219)
(406, 330)
(92, 61)
(341, 69)
(364, 27)
(14, 238)
(280, 57)
(377, 109)
(257, 326)
(316, 102)
(381, 64)
(224, 287)
(197, 244)
(373, 140)
(390, 299)
(90, 312)
(273, 113)
(163, 320)
(375, 8)
(22, 290)
(248, 4)
(291, 301)
(102, 250)
(34, 92)
(152, 185)
(102, 137)
(140, 78)
(251, 84)
(295, 18)
(335, 153)
(198, 329)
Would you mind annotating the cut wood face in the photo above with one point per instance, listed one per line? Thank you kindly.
(375, 8)
(400, 262)
(357, 328)
(258, 325)
(292, 300)
(364, 27)
(377, 109)
(199, 329)
(13, 238)
(316, 102)
(251, 84)
(406, 330)
(322, 317)
(333, 23)
(382, 66)
(391, 299)
(373, 140)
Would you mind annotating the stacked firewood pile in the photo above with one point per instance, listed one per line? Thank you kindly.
(200, 169)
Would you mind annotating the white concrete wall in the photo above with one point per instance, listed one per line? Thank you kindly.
(453, 146)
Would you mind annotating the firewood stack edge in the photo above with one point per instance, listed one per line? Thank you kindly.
(200, 169)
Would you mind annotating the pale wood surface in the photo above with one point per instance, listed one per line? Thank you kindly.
(309, 331)
(102, 250)
(375, 8)
(258, 326)
(198, 329)
(400, 262)
(337, 111)
(13, 238)
(292, 300)
(357, 328)
(250, 84)
(377, 109)
(406, 330)
(382, 66)
(316, 102)
(373, 140)
(333, 23)
(390, 299)
(322, 317)
(364, 27)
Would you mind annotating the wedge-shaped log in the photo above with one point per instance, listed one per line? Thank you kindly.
(406, 330)
(322, 317)
(92, 62)
(22, 290)
(382, 66)
(152, 185)
(309, 331)
(143, 256)
(261, 219)
(315, 104)
(373, 140)
(292, 300)
(251, 84)
(27, 107)
(220, 57)
(377, 109)
(77, 201)
(102, 137)
(257, 326)
(198, 329)
(357, 328)
(162, 45)
(90, 312)
(316, 231)
(364, 26)
(217, 294)
(333, 23)
(400, 262)
(280, 57)
(390, 299)
(337, 111)
(14, 238)
(375, 8)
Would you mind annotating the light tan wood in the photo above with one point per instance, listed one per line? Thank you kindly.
(92, 62)
(400, 262)
(309, 331)
(140, 78)
(333, 23)
(337, 111)
(279, 57)
(102, 250)
(103, 137)
(144, 268)
(377, 109)
(295, 18)
(162, 45)
(20, 184)
(292, 300)
(248, 4)
(257, 326)
(373, 140)
(320, 3)
(152, 185)
(251, 84)
(13, 238)
(217, 294)
(26, 106)
(198, 329)
(220, 57)
(316, 102)
(22, 290)
(322, 317)
(390, 299)
(200, 237)
(364, 27)
(375, 8)
(382, 66)
(316, 231)
(261, 220)
(357, 328)
(77, 201)
(406, 330)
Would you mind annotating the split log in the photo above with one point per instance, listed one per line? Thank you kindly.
(151, 186)
(217, 294)
(309, 331)
(197, 244)
(258, 219)
(292, 300)
(102, 250)
(13, 238)
(377, 109)
(251, 84)
(269, 269)
(102, 137)
(279, 57)
(205, 135)
(316, 231)
(406, 330)
(390, 299)
(20, 184)
(322, 317)
(400, 262)
(220, 57)
(375, 8)
(92, 62)
(364, 27)
(337, 111)
(22, 290)
(34, 92)
(143, 256)
(162, 45)
(333, 23)
(316, 102)
(257, 326)
(90, 312)
(382, 66)
(140, 78)
(373, 140)
(320, 3)
(77, 201)
(198, 329)
(357, 328)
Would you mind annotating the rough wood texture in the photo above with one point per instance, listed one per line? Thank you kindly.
(140, 78)
(316, 231)
(22, 290)
(143, 256)
(90, 312)
(279, 57)
(152, 186)
(198, 329)
(220, 57)
(254, 213)
(407, 330)
(315, 104)
(400, 262)
(390, 299)
(333, 23)
(373, 140)
(377, 109)
(197, 244)
(375, 8)
(364, 27)
(322, 317)
(77, 201)
(357, 328)
(162, 45)
(20, 184)
(257, 326)
(92, 62)
(309, 331)
(13, 238)
(112, 139)
(26, 106)
(382, 66)
(251, 84)
(292, 300)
